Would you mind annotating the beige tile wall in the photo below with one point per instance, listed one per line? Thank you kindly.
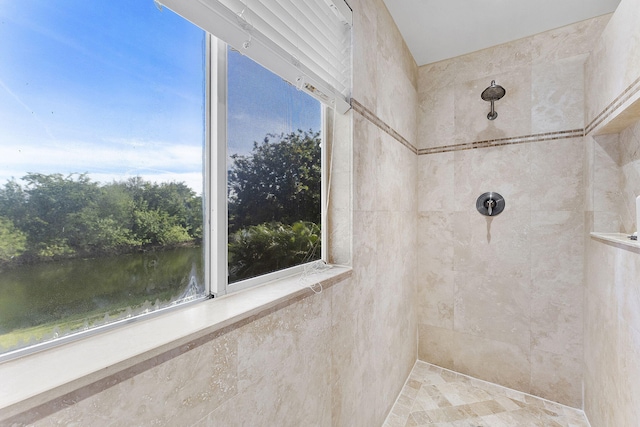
(612, 297)
(613, 66)
(339, 358)
(501, 298)
(612, 171)
(612, 335)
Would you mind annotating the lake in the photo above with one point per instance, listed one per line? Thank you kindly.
(42, 301)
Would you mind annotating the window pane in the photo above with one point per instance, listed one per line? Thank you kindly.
(274, 171)
(101, 145)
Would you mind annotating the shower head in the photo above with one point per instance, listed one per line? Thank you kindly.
(493, 93)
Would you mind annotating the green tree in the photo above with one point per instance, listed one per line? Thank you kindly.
(73, 216)
(280, 181)
(51, 203)
(13, 242)
(13, 202)
(260, 249)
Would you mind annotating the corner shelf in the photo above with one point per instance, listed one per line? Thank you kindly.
(618, 238)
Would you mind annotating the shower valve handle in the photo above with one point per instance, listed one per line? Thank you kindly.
(490, 204)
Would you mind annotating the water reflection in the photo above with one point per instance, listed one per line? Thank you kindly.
(56, 298)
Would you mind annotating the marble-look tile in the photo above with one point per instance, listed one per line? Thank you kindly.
(506, 170)
(555, 233)
(396, 83)
(271, 341)
(392, 319)
(557, 175)
(181, 389)
(588, 172)
(436, 117)
(488, 63)
(607, 177)
(630, 169)
(348, 361)
(498, 245)
(510, 366)
(493, 305)
(629, 144)
(612, 341)
(434, 236)
(438, 74)
(630, 371)
(557, 377)
(557, 315)
(367, 140)
(437, 345)
(627, 289)
(435, 271)
(567, 41)
(396, 93)
(618, 44)
(435, 182)
(365, 24)
(395, 175)
(365, 262)
(557, 100)
(607, 222)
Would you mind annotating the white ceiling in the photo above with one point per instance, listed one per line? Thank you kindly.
(439, 29)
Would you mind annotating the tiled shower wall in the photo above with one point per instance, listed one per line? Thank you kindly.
(612, 173)
(501, 298)
(338, 358)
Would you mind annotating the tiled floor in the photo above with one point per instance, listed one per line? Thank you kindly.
(437, 397)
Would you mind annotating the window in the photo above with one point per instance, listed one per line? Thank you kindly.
(113, 159)
(101, 166)
(274, 171)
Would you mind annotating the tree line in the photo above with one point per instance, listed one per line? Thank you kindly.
(53, 216)
(273, 204)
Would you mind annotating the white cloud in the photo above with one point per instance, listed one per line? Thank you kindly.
(153, 160)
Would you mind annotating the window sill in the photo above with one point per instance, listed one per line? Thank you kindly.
(620, 239)
(40, 377)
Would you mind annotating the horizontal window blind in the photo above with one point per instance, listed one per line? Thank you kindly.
(306, 42)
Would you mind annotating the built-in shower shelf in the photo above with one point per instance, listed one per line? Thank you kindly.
(619, 238)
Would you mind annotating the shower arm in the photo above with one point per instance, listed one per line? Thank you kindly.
(492, 115)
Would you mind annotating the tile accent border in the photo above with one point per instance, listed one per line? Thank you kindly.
(605, 114)
(548, 136)
(369, 115)
(614, 105)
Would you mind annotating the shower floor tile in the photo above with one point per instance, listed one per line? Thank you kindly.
(437, 397)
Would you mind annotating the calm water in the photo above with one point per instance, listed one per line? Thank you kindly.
(84, 290)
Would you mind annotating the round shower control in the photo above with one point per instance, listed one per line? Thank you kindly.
(490, 204)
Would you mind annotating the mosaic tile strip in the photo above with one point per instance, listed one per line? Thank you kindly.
(614, 105)
(627, 94)
(369, 115)
(437, 397)
(549, 136)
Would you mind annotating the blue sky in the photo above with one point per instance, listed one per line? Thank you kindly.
(115, 89)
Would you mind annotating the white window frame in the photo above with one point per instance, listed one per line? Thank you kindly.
(215, 231)
(217, 178)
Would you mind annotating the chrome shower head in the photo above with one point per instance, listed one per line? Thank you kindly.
(491, 94)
